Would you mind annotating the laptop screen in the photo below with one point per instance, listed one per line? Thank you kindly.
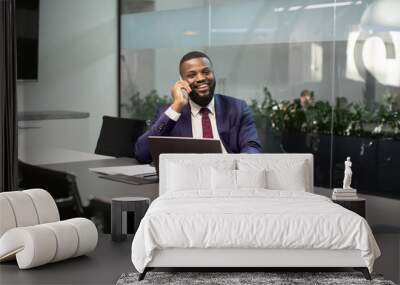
(160, 144)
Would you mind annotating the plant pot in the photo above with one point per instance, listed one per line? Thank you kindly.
(388, 167)
(318, 145)
(376, 162)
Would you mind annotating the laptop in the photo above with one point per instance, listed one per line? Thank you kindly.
(160, 144)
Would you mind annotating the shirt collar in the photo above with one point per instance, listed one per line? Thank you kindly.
(195, 108)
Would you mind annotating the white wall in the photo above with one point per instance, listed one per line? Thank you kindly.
(77, 68)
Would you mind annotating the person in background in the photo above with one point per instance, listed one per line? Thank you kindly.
(199, 113)
(306, 98)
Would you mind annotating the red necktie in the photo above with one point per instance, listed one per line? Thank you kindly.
(206, 123)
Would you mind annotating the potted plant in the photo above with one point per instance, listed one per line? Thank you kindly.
(144, 107)
(370, 137)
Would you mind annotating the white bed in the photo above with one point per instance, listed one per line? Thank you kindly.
(231, 211)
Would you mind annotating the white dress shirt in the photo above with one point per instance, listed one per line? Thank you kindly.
(197, 127)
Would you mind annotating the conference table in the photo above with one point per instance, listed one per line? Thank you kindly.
(91, 185)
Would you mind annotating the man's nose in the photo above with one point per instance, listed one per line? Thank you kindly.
(200, 77)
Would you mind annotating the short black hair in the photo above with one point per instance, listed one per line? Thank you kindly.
(305, 92)
(191, 55)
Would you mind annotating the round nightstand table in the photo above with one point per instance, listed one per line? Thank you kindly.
(137, 205)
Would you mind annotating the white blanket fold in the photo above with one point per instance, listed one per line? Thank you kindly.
(250, 219)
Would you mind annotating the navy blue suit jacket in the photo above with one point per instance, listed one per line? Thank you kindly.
(235, 125)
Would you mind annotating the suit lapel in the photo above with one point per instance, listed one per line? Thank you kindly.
(222, 122)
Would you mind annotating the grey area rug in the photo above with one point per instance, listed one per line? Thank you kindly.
(229, 278)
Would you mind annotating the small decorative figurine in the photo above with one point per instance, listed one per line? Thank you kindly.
(347, 174)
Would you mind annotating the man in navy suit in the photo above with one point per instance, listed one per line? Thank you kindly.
(201, 113)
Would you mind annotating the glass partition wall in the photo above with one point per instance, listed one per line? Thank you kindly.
(320, 76)
(366, 118)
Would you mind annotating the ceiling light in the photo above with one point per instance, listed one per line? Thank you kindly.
(190, 33)
(328, 5)
(295, 8)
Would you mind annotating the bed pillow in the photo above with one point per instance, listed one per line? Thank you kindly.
(251, 178)
(223, 179)
(231, 180)
(287, 178)
(281, 174)
(195, 174)
(183, 177)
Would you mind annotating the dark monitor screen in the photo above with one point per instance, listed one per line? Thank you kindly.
(27, 17)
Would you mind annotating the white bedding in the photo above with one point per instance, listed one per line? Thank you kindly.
(250, 219)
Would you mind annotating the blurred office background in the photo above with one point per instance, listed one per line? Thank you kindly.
(120, 58)
(344, 54)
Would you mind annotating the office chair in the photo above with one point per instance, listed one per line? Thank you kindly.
(61, 186)
(118, 136)
(99, 211)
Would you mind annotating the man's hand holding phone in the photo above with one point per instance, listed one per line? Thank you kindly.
(179, 93)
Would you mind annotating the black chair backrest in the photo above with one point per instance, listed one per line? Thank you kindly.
(61, 186)
(118, 136)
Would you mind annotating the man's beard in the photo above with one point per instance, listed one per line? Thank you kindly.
(202, 101)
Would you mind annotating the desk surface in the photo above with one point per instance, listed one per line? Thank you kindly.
(89, 184)
(41, 155)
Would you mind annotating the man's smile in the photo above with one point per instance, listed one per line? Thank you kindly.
(202, 88)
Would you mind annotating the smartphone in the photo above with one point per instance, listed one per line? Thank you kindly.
(183, 91)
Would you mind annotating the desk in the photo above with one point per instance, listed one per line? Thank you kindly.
(90, 184)
(41, 155)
